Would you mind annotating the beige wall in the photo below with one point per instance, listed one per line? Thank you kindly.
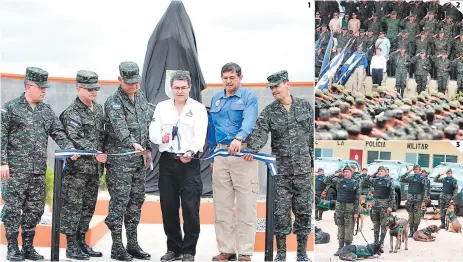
(398, 149)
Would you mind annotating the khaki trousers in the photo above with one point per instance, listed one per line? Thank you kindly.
(233, 177)
(358, 77)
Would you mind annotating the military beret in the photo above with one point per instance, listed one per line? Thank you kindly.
(318, 92)
(277, 78)
(87, 79)
(38, 76)
(129, 72)
(416, 166)
(381, 168)
(393, 13)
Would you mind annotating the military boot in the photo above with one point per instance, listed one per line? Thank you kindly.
(412, 231)
(320, 216)
(341, 245)
(381, 241)
(302, 248)
(316, 215)
(133, 248)
(376, 235)
(28, 248)
(118, 251)
(281, 248)
(442, 221)
(85, 248)
(73, 250)
(13, 253)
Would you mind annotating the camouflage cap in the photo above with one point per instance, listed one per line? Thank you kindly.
(38, 76)
(347, 168)
(446, 107)
(440, 95)
(129, 72)
(318, 92)
(87, 79)
(393, 13)
(362, 30)
(438, 108)
(398, 102)
(460, 99)
(386, 168)
(381, 168)
(416, 166)
(394, 106)
(358, 95)
(381, 90)
(376, 94)
(449, 170)
(424, 93)
(407, 101)
(326, 91)
(369, 95)
(277, 78)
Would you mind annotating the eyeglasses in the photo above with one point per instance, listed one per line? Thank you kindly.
(93, 89)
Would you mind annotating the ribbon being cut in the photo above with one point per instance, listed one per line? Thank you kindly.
(269, 160)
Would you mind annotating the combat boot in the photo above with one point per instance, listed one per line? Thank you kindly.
(85, 248)
(118, 251)
(376, 235)
(13, 253)
(381, 241)
(316, 215)
(281, 248)
(341, 245)
(28, 249)
(73, 250)
(302, 248)
(133, 248)
(320, 216)
(442, 221)
(412, 231)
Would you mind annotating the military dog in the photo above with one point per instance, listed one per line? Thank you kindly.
(354, 252)
(451, 220)
(435, 216)
(425, 234)
(321, 237)
(398, 228)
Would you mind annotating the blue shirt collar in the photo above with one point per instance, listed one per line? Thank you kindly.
(237, 93)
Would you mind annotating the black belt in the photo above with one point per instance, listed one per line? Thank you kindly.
(175, 155)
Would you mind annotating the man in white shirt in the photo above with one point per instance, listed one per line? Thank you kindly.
(378, 67)
(384, 44)
(179, 127)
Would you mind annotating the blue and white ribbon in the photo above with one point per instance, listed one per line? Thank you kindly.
(269, 160)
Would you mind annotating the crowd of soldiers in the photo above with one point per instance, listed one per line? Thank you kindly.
(384, 115)
(353, 187)
(417, 38)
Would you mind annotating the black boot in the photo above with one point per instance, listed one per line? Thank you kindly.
(28, 247)
(73, 250)
(442, 221)
(316, 214)
(85, 248)
(302, 248)
(381, 241)
(341, 245)
(13, 253)
(281, 248)
(320, 216)
(118, 251)
(133, 248)
(412, 231)
(376, 235)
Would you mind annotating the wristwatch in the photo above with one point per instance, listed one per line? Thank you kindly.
(239, 139)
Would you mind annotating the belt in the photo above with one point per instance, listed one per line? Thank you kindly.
(174, 155)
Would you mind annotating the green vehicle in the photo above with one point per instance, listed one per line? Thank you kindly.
(436, 188)
(397, 168)
(331, 165)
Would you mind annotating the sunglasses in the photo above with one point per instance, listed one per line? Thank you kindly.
(93, 89)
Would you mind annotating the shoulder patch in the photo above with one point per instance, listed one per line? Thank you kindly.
(74, 123)
(115, 105)
(261, 114)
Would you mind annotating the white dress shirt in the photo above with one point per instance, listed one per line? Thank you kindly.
(378, 62)
(192, 125)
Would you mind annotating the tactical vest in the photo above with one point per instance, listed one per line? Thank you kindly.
(319, 184)
(415, 186)
(381, 188)
(447, 185)
(346, 192)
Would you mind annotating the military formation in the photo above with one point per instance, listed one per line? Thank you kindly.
(118, 130)
(384, 115)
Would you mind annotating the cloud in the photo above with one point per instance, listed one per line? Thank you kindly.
(66, 36)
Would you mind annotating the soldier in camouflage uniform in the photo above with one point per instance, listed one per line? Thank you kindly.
(449, 193)
(360, 39)
(429, 23)
(384, 199)
(458, 63)
(392, 27)
(126, 122)
(83, 121)
(347, 205)
(422, 65)
(443, 69)
(449, 29)
(422, 44)
(401, 61)
(417, 192)
(342, 39)
(319, 188)
(441, 46)
(374, 25)
(404, 41)
(458, 45)
(290, 122)
(411, 26)
(27, 122)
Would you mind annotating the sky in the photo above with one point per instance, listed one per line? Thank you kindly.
(62, 37)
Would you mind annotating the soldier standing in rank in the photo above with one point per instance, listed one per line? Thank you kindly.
(458, 45)
(319, 188)
(384, 199)
(410, 25)
(401, 61)
(417, 191)
(83, 121)
(27, 122)
(290, 121)
(429, 23)
(127, 124)
(443, 69)
(458, 63)
(449, 193)
(392, 27)
(441, 45)
(422, 66)
(347, 205)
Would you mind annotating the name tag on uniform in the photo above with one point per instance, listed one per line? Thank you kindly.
(116, 105)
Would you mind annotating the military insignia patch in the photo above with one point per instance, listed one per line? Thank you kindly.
(261, 114)
(116, 105)
(217, 103)
(74, 123)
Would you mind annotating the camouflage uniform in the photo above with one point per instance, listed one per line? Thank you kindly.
(375, 27)
(417, 191)
(449, 192)
(449, 30)
(442, 66)
(458, 63)
(342, 39)
(347, 205)
(392, 28)
(422, 46)
(126, 122)
(429, 26)
(319, 188)
(401, 71)
(421, 74)
(441, 46)
(85, 128)
(24, 141)
(458, 47)
(412, 28)
(292, 143)
(381, 8)
(384, 197)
